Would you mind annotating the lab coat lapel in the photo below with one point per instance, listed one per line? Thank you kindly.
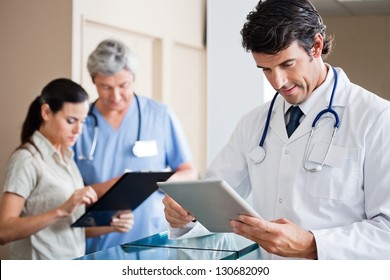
(339, 101)
(277, 123)
(306, 125)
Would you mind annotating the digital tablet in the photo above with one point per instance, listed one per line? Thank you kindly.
(212, 203)
(127, 193)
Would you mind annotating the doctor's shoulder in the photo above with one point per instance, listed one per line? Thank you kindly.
(151, 106)
(250, 122)
(257, 114)
(158, 111)
(366, 102)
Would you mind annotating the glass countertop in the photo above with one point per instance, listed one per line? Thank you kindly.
(219, 246)
(134, 252)
(219, 241)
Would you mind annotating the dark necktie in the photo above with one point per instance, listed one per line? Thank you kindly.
(293, 123)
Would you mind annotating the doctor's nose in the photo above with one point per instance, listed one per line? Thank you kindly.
(116, 94)
(278, 79)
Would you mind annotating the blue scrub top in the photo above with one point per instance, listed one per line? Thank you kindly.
(113, 156)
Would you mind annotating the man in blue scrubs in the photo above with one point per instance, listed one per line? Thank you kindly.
(134, 134)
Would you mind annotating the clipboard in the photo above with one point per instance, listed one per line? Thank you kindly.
(212, 202)
(127, 193)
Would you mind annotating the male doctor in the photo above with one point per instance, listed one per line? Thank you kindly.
(319, 199)
(134, 133)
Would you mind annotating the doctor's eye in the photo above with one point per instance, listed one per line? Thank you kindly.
(125, 85)
(104, 87)
(288, 65)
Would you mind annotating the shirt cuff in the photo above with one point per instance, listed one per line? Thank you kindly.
(190, 230)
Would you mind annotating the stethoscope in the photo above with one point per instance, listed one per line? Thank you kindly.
(258, 153)
(81, 155)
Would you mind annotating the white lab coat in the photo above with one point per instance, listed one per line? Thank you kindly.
(347, 204)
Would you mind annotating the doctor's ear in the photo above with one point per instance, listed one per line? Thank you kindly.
(45, 111)
(318, 44)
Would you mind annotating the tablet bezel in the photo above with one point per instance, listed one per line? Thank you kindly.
(212, 202)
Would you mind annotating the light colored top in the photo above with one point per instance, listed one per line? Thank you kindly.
(114, 156)
(347, 204)
(46, 181)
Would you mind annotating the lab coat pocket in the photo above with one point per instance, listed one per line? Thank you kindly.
(338, 178)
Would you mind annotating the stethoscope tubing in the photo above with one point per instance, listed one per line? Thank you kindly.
(91, 153)
(268, 120)
(260, 149)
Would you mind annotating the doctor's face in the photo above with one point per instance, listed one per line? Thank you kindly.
(116, 91)
(292, 72)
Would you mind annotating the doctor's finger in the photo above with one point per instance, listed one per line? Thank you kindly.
(121, 226)
(172, 207)
(126, 215)
(260, 224)
(247, 229)
(176, 223)
(175, 219)
(173, 216)
(257, 235)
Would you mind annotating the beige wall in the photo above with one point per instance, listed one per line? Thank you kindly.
(362, 49)
(35, 48)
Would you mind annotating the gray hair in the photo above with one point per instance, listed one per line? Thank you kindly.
(110, 57)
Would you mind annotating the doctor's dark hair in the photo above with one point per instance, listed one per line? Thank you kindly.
(275, 24)
(110, 57)
(55, 94)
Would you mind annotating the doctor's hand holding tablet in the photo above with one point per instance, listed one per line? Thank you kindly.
(219, 208)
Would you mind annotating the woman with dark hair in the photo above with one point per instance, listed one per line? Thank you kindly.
(44, 191)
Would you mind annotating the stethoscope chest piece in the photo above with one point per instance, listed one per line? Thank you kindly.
(257, 154)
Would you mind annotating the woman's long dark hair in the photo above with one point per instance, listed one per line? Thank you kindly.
(55, 94)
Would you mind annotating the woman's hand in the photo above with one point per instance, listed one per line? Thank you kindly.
(86, 195)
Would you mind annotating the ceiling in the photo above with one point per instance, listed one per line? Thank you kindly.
(352, 7)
